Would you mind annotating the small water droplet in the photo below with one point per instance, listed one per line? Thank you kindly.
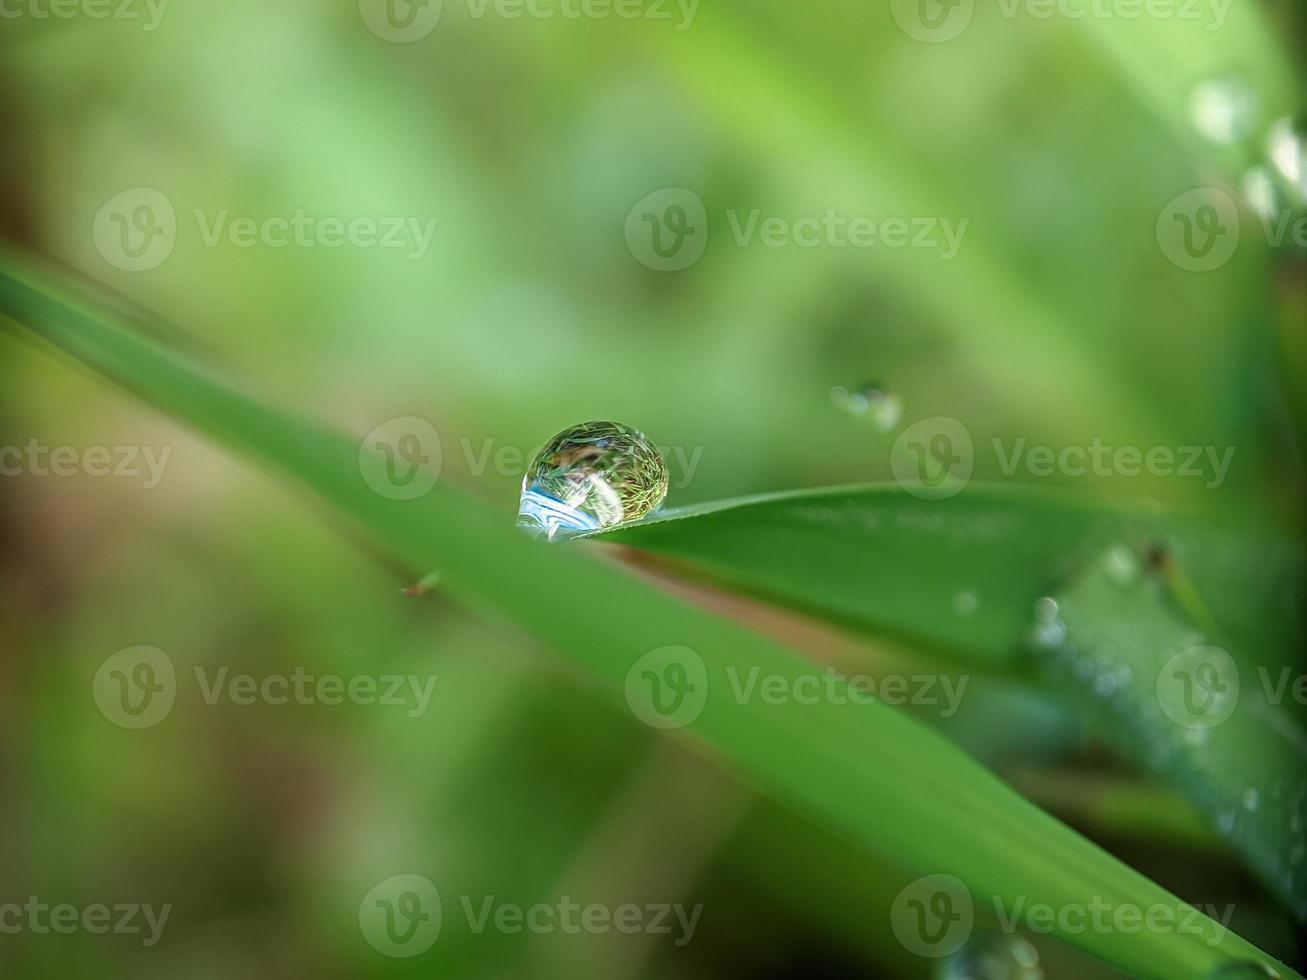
(872, 402)
(965, 604)
(1286, 145)
(1046, 609)
(1226, 821)
(1243, 970)
(591, 476)
(993, 957)
(1223, 109)
(1048, 636)
(1105, 684)
(1261, 192)
(1251, 797)
(1121, 565)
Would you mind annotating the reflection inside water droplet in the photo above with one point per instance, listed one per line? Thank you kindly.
(592, 476)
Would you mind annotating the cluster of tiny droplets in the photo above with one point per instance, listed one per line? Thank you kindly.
(607, 470)
(1225, 111)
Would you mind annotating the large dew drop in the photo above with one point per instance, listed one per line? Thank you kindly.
(993, 957)
(592, 476)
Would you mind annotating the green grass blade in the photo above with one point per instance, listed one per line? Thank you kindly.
(962, 575)
(885, 782)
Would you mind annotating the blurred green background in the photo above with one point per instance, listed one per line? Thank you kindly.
(530, 140)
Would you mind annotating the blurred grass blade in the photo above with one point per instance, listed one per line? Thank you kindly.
(885, 782)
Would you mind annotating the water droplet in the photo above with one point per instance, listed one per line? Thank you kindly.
(591, 476)
(965, 604)
(1048, 635)
(1105, 684)
(1286, 145)
(1121, 565)
(1243, 970)
(1260, 192)
(993, 957)
(1251, 797)
(1226, 821)
(870, 401)
(1223, 109)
